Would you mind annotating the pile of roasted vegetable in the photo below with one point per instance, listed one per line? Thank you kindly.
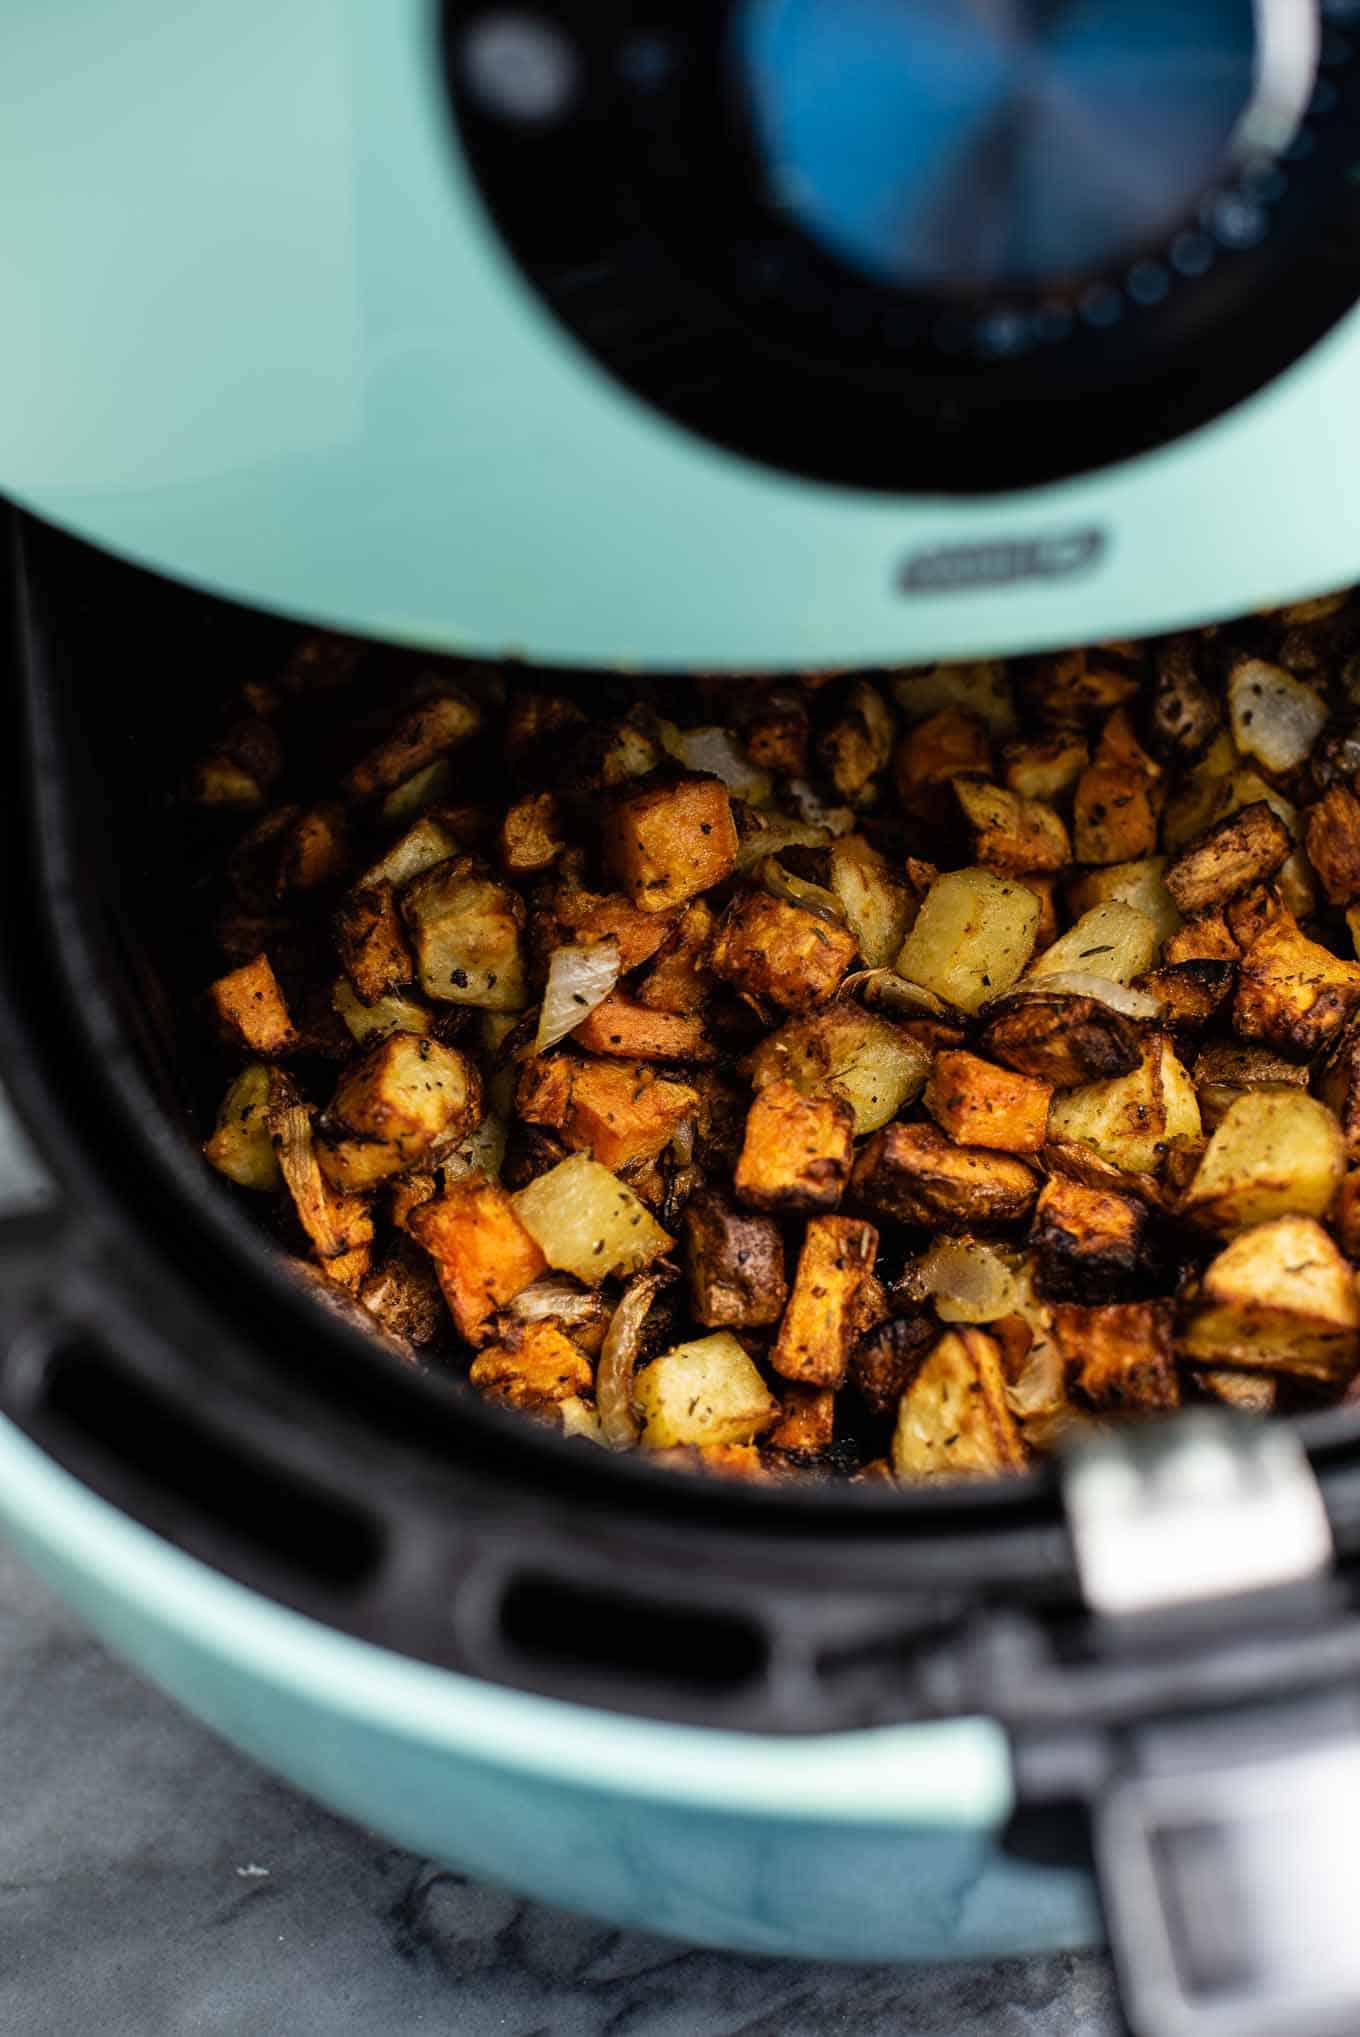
(870, 1075)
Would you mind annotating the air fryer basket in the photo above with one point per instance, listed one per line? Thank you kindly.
(154, 1345)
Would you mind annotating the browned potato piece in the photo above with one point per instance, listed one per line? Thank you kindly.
(1278, 1299)
(1339, 1086)
(1133, 1120)
(534, 1369)
(1190, 993)
(937, 751)
(806, 1422)
(586, 916)
(239, 770)
(679, 980)
(371, 944)
(884, 1359)
(405, 1096)
(1276, 1153)
(857, 746)
(734, 1262)
(875, 1065)
(482, 1253)
(954, 1421)
(465, 934)
(972, 937)
(1013, 835)
(1047, 767)
(251, 1011)
(1063, 1040)
(1253, 912)
(1331, 835)
(428, 731)
(588, 1222)
(1185, 715)
(1114, 818)
(1292, 993)
(241, 1146)
(797, 1150)
(1250, 1393)
(820, 1322)
(622, 1027)
(1087, 1242)
(1225, 1070)
(1242, 850)
(1077, 686)
(403, 1294)
(665, 843)
(531, 836)
(314, 850)
(1206, 938)
(776, 737)
(614, 1111)
(975, 1103)
(915, 1175)
(1119, 1357)
(704, 1393)
(770, 949)
(879, 905)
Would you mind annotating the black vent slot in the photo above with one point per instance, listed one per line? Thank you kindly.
(605, 1635)
(213, 1493)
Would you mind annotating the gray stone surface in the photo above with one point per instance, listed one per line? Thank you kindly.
(155, 1884)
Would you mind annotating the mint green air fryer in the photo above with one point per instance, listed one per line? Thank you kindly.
(772, 333)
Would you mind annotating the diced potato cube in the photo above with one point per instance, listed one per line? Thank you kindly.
(797, 1150)
(1275, 1154)
(430, 730)
(1087, 1242)
(428, 841)
(371, 944)
(535, 1369)
(1276, 718)
(1046, 767)
(734, 1261)
(705, 1392)
(879, 907)
(403, 1294)
(1114, 941)
(680, 980)
(1225, 1070)
(975, 1103)
(1141, 883)
(482, 1252)
(251, 1011)
(1064, 1040)
(1190, 993)
(1077, 686)
(407, 1095)
(1114, 815)
(465, 934)
(314, 849)
(776, 736)
(807, 1421)
(1119, 1357)
(587, 916)
(667, 843)
(875, 1065)
(368, 1022)
(241, 1146)
(972, 938)
(858, 744)
(620, 1026)
(1185, 713)
(953, 1421)
(1279, 1298)
(1331, 835)
(1292, 993)
(614, 1111)
(1011, 834)
(822, 1320)
(915, 1175)
(774, 950)
(1245, 849)
(1132, 1120)
(531, 837)
(1205, 938)
(588, 1223)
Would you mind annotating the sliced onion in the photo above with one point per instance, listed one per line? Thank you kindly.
(554, 1298)
(800, 891)
(716, 751)
(770, 832)
(619, 1424)
(579, 978)
(969, 1281)
(291, 1127)
(812, 808)
(1132, 1004)
(480, 1152)
(885, 990)
(1276, 718)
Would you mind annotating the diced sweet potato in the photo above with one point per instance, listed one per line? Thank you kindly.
(666, 843)
(1087, 1242)
(820, 1322)
(251, 1011)
(1245, 849)
(954, 1421)
(1276, 1153)
(614, 1111)
(876, 1065)
(1114, 817)
(1205, 938)
(914, 1174)
(1132, 1120)
(975, 1103)
(1012, 835)
(734, 1261)
(776, 951)
(588, 1223)
(972, 938)
(371, 943)
(807, 1420)
(1280, 1298)
(939, 750)
(1077, 686)
(407, 1095)
(531, 836)
(885, 1358)
(620, 1026)
(482, 1252)
(241, 1146)
(1119, 1357)
(1292, 993)
(679, 980)
(465, 928)
(707, 1392)
(535, 1369)
(797, 1150)
(1063, 1040)
(430, 730)
(586, 916)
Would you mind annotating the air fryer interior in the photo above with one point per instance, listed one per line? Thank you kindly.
(182, 1371)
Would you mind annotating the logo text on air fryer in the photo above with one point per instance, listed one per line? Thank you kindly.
(1001, 562)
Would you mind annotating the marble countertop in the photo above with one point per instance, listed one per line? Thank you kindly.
(153, 1883)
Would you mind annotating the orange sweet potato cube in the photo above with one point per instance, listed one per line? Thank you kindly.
(774, 950)
(482, 1253)
(822, 1319)
(251, 1010)
(618, 1026)
(797, 1151)
(975, 1103)
(666, 843)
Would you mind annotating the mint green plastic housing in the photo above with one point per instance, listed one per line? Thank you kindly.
(255, 332)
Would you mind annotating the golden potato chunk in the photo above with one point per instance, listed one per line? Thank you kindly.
(531, 836)
(1276, 1153)
(1087, 1242)
(1226, 1069)
(371, 943)
(680, 980)
(465, 928)
(975, 1103)
(879, 906)
(770, 949)
(1245, 849)
(251, 1011)
(1141, 883)
(368, 1022)
(620, 1026)
(1046, 767)
(914, 1174)
(704, 1393)
(1064, 1040)
(822, 1319)
(875, 1065)
(1132, 1120)
(797, 1150)
(1113, 941)
(1292, 993)
(431, 730)
(241, 1146)
(403, 1294)
(954, 1421)
(734, 1261)
(807, 1421)
(482, 1253)
(535, 1370)
(858, 744)
(666, 843)
(972, 938)
(1119, 1358)
(407, 1095)
(1010, 834)
(1279, 1298)
(587, 1222)
(1331, 835)
(614, 1111)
